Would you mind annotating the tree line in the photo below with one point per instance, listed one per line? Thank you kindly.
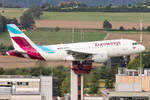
(107, 26)
(27, 20)
(82, 7)
(78, 7)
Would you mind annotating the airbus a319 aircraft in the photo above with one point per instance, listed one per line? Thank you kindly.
(97, 51)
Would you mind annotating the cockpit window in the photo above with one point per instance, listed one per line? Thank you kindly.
(135, 43)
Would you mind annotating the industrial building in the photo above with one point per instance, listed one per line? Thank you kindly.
(130, 85)
(16, 87)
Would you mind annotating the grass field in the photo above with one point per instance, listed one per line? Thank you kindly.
(83, 16)
(12, 12)
(95, 16)
(45, 37)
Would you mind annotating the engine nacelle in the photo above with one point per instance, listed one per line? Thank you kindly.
(100, 57)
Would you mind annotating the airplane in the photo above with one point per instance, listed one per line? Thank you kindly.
(96, 51)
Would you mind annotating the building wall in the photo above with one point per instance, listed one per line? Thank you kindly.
(32, 86)
(93, 98)
(132, 83)
(25, 97)
(26, 88)
(5, 97)
(46, 87)
(21, 84)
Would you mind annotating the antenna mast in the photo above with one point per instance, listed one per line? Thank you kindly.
(141, 40)
(141, 27)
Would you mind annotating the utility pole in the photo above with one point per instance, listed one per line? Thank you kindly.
(141, 40)
(72, 35)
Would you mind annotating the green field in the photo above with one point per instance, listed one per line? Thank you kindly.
(45, 37)
(12, 12)
(96, 16)
(83, 16)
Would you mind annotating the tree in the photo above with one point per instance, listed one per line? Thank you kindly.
(135, 64)
(133, 28)
(36, 11)
(107, 25)
(46, 6)
(139, 4)
(147, 2)
(27, 19)
(59, 73)
(109, 6)
(148, 28)
(10, 47)
(10, 72)
(3, 48)
(94, 84)
(146, 60)
(82, 5)
(121, 28)
(110, 76)
(13, 21)
(22, 71)
(65, 86)
(1, 71)
(129, 5)
(35, 71)
(3, 22)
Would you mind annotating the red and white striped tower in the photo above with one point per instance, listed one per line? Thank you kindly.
(77, 71)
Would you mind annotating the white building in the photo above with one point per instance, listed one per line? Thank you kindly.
(25, 87)
(130, 85)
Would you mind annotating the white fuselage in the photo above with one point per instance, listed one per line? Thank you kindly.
(113, 48)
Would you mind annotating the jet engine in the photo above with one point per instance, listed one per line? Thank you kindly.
(100, 57)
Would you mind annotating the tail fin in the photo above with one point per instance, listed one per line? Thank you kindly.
(20, 41)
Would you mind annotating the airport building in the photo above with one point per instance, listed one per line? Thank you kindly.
(130, 85)
(16, 87)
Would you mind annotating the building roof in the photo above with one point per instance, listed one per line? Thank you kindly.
(92, 95)
(16, 76)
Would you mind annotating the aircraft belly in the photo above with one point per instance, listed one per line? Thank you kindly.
(55, 56)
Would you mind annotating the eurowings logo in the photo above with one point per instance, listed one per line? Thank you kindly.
(14, 29)
(107, 44)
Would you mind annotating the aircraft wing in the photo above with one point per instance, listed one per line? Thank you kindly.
(79, 54)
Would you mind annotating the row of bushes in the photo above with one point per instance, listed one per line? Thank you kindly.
(134, 29)
(4, 48)
(121, 28)
(96, 9)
